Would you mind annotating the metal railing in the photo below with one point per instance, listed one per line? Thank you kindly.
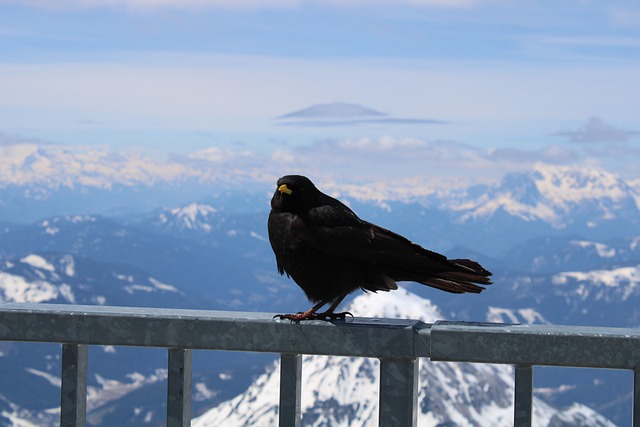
(397, 343)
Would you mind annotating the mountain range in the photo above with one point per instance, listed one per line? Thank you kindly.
(40, 181)
(563, 244)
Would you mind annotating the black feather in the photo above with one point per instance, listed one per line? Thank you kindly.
(330, 252)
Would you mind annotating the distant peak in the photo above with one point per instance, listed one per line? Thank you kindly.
(194, 216)
(334, 110)
(192, 210)
(397, 304)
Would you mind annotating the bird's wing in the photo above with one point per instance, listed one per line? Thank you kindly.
(339, 232)
(336, 230)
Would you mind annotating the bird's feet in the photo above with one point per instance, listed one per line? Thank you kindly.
(308, 315)
(333, 316)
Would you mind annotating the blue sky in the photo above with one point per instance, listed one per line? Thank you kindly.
(528, 79)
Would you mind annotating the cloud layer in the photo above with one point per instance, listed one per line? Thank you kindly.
(373, 159)
(345, 114)
(596, 130)
(369, 164)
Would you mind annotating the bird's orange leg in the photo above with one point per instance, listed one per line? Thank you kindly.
(305, 315)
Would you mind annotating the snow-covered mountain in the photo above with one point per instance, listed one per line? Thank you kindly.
(52, 166)
(194, 217)
(49, 175)
(558, 195)
(86, 225)
(41, 180)
(195, 266)
(554, 254)
(338, 391)
(63, 278)
(126, 386)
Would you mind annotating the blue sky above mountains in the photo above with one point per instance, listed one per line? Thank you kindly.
(517, 80)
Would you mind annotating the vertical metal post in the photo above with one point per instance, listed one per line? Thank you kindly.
(636, 397)
(523, 396)
(73, 392)
(179, 388)
(398, 405)
(290, 389)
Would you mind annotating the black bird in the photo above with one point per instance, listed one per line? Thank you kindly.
(330, 252)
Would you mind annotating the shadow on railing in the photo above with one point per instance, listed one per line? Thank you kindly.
(397, 343)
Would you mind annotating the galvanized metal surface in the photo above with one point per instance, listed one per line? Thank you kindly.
(397, 343)
(523, 396)
(73, 392)
(553, 345)
(636, 397)
(179, 387)
(398, 402)
(290, 389)
(219, 330)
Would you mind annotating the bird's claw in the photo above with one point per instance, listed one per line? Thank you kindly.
(313, 316)
(334, 316)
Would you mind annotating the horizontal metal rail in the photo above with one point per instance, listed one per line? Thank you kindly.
(550, 345)
(397, 343)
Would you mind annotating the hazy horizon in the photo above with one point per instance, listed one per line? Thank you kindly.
(469, 88)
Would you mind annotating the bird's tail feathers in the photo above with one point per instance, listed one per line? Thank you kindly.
(453, 286)
(465, 278)
(474, 268)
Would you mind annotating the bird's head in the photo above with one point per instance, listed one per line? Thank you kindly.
(294, 192)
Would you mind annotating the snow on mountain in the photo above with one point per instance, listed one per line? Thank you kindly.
(564, 186)
(339, 391)
(618, 284)
(556, 254)
(118, 377)
(603, 250)
(36, 278)
(37, 288)
(553, 194)
(43, 168)
(550, 194)
(100, 394)
(18, 289)
(38, 262)
(14, 415)
(194, 217)
(52, 166)
(109, 390)
(507, 315)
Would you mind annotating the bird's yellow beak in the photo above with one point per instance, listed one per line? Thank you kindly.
(284, 189)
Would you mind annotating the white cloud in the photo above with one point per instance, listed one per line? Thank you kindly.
(226, 92)
(370, 159)
(7, 139)
(548, 154)
(596, 130)
(219, 155)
